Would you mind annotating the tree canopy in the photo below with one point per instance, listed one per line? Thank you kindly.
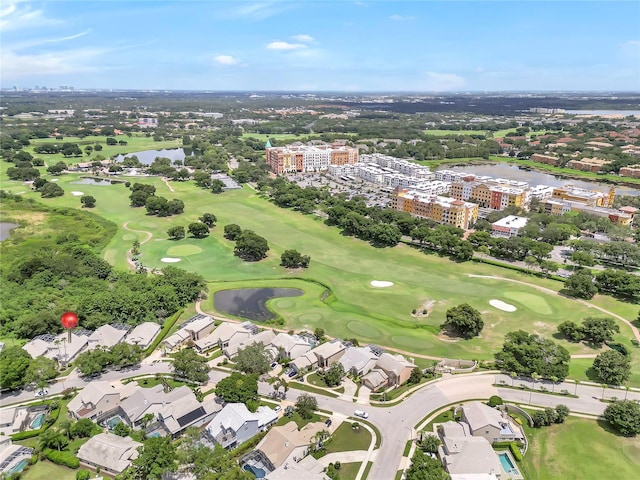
(253, 359)
(527, 354)
(188, 364)
(624, 415)
(464, 320)
(250, 246)
(612, 367)
(238, 387)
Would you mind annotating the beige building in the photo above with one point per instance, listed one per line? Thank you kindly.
(444, 210)
(111, 453)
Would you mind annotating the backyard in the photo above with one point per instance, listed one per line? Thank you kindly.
(45, 470)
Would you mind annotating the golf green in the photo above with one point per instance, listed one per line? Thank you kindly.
(183, 250)
(531, 301)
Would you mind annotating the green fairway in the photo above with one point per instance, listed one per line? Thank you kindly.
(580, 449)
(351, 307)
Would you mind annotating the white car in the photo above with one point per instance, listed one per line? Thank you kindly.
(361, 414)
(277, 408)
(41, 393)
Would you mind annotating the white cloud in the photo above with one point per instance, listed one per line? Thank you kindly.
(15, 17)
(443, 82)
(225, 60)
(400, 18)
(303, 38)
(17, 66)
(278, 45)
(258, 10)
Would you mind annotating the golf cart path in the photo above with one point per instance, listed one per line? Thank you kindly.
(149, 235)
(635, 331)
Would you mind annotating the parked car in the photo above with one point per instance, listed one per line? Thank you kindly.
(277, 408)
(292, 374)
(327, 422)
(274, 365)
(41, 393)
(361, 414)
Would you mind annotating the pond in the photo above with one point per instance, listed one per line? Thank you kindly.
(251, 303)
(5, 229)
(146, 157)
(91, 181)
(513, 172)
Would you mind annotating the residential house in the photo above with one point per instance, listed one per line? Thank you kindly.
(235, 424)
(13, 420)
(11, 457)
(265, 337)
(470, 455)
(289, 346)
(143, 335)
(194, 329)
(375, 379)
(358, 360)
(489, 423)
(57, 347)
(287, 444)
(305, 361)
(329, 353)
(306, 469)
(176, 417)
(226, 334)
(107, 336)
(397, 368)
(150, 401)
(95, 401)
(112, 453)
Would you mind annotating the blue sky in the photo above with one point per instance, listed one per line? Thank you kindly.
(327, 45)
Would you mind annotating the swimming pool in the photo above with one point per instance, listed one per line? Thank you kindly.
(258, 472)
(507, 464)
(18, 467)
(113, 421)
(37, 422)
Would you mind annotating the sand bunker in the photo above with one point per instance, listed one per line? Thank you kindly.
(500, 305)
(170, 260)
(77, 194)
(381, 284)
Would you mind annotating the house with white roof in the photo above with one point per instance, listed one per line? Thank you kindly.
(358, 360)
(107, 336)
(329, 353)
(289, 346)
(225, 335)
(95, 401)
(11, 456)
(265, 337)
(287, 444)
(143, 335)
(112, 453)
(306, 469)
(490, 423)
(150, 401)
(194, 329)
(305, 361)
(176, 417)
(235, 424)
(57, 347)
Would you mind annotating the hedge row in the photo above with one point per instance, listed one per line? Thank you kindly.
(66, 459)
(516, 452)
(34, 433)
(168, 325)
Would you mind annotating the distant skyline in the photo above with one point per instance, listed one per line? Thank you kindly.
(339, 45)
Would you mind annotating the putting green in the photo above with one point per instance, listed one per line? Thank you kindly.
(309, 317)
(183, 250)
(531, 301)
(364, 330)
(283, 303)
(129, 236)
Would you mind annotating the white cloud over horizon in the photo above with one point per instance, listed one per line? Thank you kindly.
(225, 60)
(443, 82)
(303, 38)
(279, 45)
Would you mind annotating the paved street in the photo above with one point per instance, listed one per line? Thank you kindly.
(396, 423)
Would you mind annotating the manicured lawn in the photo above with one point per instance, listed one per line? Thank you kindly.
(580, 449)
(301, 422)
(152, 382)
(45, 470)
(348, 471)
(345, 264)
(346, 439)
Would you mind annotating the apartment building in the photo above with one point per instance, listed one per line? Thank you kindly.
(632, 171)
(307, 158)
(491, 195)
(444, 210)
(588, 164)
(546, 159)
(622, 216)
(594, 198)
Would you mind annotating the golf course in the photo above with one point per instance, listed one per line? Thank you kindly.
(338, 293)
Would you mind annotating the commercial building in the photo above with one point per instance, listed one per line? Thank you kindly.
(510, 226)
(444, 210)
(307, 158)
(594, 198)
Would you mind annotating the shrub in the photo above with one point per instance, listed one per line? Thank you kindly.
(83, 475)
(66, 459)
(495, 400)
(515, 451)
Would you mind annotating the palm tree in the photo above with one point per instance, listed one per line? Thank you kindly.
(604, 387)
(534, 377)
(627, 388)
(576, 390)
(554, 380)
(513, 376)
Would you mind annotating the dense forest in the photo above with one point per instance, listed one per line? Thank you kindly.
(52, 265)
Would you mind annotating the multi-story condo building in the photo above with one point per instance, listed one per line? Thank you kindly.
(305, 158)
(444, 210)
(621, 216)
(594, 198)
(491, 195)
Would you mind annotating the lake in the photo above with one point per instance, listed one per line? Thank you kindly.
(513, 172)
(5, 229)
(251, 303)
(91, 181)
(147, 157)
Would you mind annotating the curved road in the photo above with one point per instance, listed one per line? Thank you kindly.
(395, 423)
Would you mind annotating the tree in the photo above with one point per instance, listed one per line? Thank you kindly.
(599, 330)
(188, 364)
(121, 429)
(198, 230)
(88, 201)
(52, 438)
(15, 362)
(612, 367)
(333, 375)
(175, 206)
(139, 194)
(93, 361)
(624, 415)
(582, 258)
(251, 246)
(294, 259)
(238, 388)
(562, 412)
(306, 405)
(82, 428)
(156, 457)
(209, 219)
(571, 331)
(429, 443)
(580, 285)
(423, 467)
(157, 206)
(232, 231)
(464, 320)
(51, 190)
(40, 371)
(202, 179)
(416, 376)
(528, 353)
(176, 233)
(319, 333)
(83, 475)
(217, 186)
(253, 359)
